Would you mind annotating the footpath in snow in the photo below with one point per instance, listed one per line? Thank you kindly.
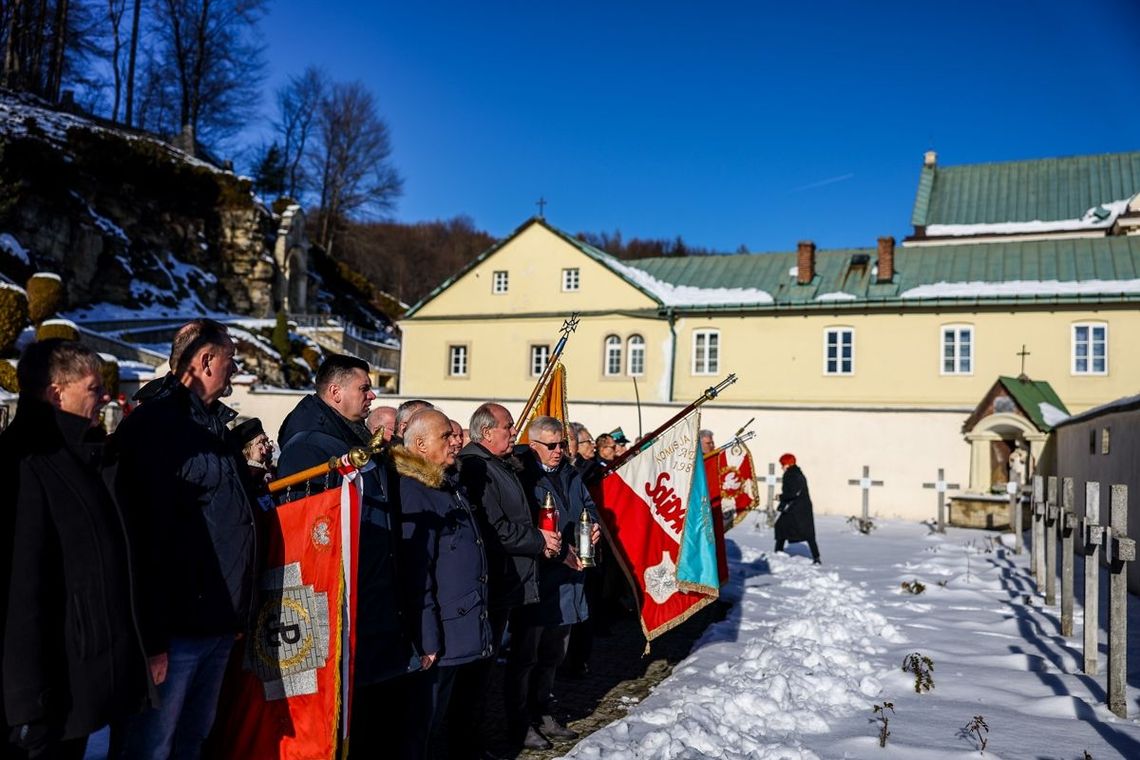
(806, 652)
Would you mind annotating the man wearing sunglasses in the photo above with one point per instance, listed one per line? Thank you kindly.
(540, 632)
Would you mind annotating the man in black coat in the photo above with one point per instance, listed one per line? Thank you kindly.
(489, 474)
(796, 522)
(72, 654)
(442, 544)
(540, 632)
(191, 522)
(325, 425)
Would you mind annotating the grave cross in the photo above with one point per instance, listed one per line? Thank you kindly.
(941, 486)
(1119, 549)
(1068, 523)
(1092, 538)
(1051, 541)
(1038, 564)
(541, 203)
(772, 479)
(865, 483)
(1023, 353)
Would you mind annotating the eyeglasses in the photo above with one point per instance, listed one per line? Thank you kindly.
(583, 443)
(553, 446)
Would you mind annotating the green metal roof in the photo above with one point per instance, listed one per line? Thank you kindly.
(1049, 189)
(1012, 270)
(1029, 395)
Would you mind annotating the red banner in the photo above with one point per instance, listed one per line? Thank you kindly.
(735, 477)
(287, 690)
(643, 507)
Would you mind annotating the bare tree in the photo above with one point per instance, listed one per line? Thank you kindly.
(298, 105)
(208, 55)
(351, 156)
(129, 111)
(116, 9)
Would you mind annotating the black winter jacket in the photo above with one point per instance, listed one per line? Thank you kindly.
(72, 654)
(514, 544)
(796, 522)
(444, 557)
(313, 433)
(561, 590)
(188, 515)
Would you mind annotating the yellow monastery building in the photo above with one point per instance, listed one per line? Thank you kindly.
(864, 356)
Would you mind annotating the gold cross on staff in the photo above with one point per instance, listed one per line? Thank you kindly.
(570, 325)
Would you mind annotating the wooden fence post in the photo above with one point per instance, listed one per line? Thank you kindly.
(1067, 524)
(1091, 538)
(1051, 541)
(1121, 550)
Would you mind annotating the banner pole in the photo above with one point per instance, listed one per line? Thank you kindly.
(568, 326)
(646, 441)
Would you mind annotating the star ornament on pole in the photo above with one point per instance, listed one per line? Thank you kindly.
(570, 325)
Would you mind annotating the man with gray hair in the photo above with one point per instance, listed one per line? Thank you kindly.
(490, 474)
(404, 414)
(708, 445)
(382, 418)
(540, 632)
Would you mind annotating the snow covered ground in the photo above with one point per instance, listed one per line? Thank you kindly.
(805, 653)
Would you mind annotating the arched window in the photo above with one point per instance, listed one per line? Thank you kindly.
(613, 355)
(636, 356)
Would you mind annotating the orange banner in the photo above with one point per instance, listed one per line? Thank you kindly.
(286, 695)
(551, 402)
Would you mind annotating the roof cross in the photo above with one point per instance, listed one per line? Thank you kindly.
(1022, 353)
(541, 203)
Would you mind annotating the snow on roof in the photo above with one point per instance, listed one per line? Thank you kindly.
(836, 296)
(1022, 288)
(1051, 414)
(688, 295)
(1096, 218)
(64, 322)
(47, 276)
(13, 248)
(132, 370)
(12, 286)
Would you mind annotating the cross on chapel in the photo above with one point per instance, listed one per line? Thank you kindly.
(541, 203)
(1023, 353)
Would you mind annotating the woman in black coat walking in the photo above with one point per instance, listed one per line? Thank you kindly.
(795, 522)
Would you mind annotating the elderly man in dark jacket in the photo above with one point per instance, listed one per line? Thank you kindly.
(489, 473)
(540, 632)
(325, 425)
(443, 544)
(72, 654)
(180, 484)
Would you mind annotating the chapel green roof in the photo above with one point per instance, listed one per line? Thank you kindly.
(1049, 189)
(1029, 395)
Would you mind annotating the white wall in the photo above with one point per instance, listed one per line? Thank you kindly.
(903, 448)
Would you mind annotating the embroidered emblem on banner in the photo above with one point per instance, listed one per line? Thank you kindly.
(322, 533)
(291, 635)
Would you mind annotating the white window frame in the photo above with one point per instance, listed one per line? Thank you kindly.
(611, 355)
(954, 332)
(709, 362)
(539, 358)
(632, 349)
(500, 282)
(458, 355)
(838, 330)
(571, 280)
(1074, 367)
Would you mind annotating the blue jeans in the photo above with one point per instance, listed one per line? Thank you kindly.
(188, 698)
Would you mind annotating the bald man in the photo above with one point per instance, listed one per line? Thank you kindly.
(382, 418)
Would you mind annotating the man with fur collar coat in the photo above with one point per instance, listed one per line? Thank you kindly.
(442, 544)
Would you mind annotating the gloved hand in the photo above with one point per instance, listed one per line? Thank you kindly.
(33, 737)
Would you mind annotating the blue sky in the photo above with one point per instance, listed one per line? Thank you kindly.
(727, 123)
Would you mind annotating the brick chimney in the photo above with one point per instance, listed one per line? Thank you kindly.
(805, 261)
(886, 259)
